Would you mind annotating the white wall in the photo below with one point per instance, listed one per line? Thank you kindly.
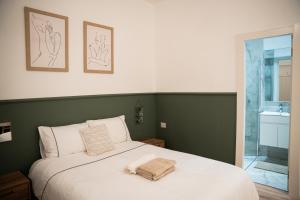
(133, 22)
(196, 39)
(193, 41)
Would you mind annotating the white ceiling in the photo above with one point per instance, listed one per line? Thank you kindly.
(154, 1)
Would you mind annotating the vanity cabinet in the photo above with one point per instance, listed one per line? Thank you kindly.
(274, 130)
(268, 134)
(283, 136)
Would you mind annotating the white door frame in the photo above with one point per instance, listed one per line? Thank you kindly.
(295, 104)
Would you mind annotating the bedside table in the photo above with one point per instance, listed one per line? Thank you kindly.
(14, 186)
(155, 142)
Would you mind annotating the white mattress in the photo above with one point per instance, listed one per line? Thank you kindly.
(79, 176)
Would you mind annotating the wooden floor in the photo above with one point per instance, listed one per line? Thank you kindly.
(268, 193)
(269, 198)
(263, 198)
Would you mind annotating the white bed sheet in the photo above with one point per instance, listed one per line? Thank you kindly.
(79, 176)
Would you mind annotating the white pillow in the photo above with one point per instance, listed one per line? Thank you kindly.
(48, 145)
(42, 149)
(116, 127)
(62, 140)
(96, 140)
(68, 139)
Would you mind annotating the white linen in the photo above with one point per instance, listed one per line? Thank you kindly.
(68, 138)
(116, 126)
(195, 177)
(61, 140)
(131, 167)
(42, 149)
(48, 145)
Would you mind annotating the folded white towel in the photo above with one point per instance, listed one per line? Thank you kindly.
(131, 167)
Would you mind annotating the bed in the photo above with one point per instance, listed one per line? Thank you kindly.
(68, 170)
(79, 176)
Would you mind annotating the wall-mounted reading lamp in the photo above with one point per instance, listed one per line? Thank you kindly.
(5, 132)
(139, 113)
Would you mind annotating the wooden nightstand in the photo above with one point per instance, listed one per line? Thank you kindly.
(154, 141)
(14, 186)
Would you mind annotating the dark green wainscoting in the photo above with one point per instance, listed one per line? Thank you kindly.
(197, 123)
(27, 115)
(203, 124)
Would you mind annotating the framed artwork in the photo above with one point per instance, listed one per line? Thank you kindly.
(98, 44)
(46, 41)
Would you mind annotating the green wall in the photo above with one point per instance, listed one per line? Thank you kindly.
(27, 115)
(199, 123)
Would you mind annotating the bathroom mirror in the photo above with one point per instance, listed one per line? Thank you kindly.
(5, 132)
(277, 80)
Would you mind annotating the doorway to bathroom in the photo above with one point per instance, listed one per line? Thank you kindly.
(267, 115)
(270, 114)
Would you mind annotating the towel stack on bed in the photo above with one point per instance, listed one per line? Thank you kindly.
(156, 168)
(151, 167)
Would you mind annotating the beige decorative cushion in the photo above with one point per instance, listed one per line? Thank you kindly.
(96, 140)
(116, 126)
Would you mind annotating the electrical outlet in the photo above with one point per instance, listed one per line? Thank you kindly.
(163, 125)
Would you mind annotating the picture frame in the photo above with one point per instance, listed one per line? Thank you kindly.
(98, 48)
(46, 38)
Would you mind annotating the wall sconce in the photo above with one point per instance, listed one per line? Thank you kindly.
(5, 132)
(139, 113)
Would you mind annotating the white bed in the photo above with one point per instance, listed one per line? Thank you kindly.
(79, 176)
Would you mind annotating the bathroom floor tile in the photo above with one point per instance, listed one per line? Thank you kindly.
(273, 179)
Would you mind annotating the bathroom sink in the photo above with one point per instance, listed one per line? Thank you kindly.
(285, 114)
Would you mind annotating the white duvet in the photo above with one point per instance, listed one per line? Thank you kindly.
(82, 177)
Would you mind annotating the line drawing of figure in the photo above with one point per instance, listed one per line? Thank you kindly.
(53, 42)
(99, 51)
(49, 42)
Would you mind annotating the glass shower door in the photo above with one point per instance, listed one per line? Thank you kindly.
(253, 59)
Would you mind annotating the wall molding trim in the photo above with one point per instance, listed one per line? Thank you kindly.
(74, 97)
(112, 95)
(197, 93)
